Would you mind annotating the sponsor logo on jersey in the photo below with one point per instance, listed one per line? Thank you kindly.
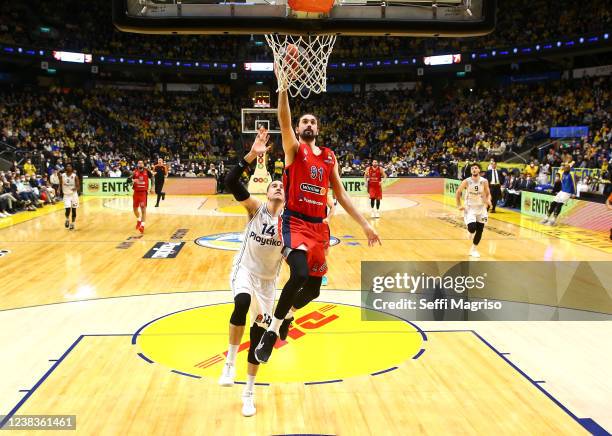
(319, 190)
(233, 241)
(264, 241)
(309, 201)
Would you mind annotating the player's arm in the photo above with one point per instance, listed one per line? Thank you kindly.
(232, 180)
(332, 210)
(487, 194)
(61, 183)
(383, 174)
(366, 176)
(345, 201)
(150, 174)
(290, 142)
(458, 194)
(608, 204)
(77, 183)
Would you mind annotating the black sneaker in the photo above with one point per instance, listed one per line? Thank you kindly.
(163, 195)
(265, 346)
(284, 328)
(67, 223)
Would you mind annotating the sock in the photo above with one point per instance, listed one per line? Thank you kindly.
(474, 247)
(250, 384)
(275, 325)
(142, 223)
(231, 354)
(290, 314)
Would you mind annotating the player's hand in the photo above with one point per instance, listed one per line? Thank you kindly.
(373, 237)
(260, 147)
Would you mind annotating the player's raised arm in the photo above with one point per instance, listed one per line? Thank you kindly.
(458, 194)
(232, 180)
(290, 142)
(345, 201)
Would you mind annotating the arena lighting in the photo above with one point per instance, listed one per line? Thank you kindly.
(19, 49)
(606, 36)
(515, 50)
(68, 56)
(581, 40)
(102, 58)
(538, 47)
(558, 43)
(259, 66)
(493, 53)
(443, 59)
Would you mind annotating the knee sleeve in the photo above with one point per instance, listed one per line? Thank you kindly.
(255, 336)
(310, 291)
(73, 213)
(478, 235)
(472, 227)
(558, 209)
(242, 302)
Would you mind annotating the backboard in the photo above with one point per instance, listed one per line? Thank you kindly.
(347, 17)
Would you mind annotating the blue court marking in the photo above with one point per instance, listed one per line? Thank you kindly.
(353, 244)
(348, 236)
(323, 382)
(145, 358)
(185, 373)
(594, 428)
(534, 383)
(384, 371)
(417, 355)
(42, 379)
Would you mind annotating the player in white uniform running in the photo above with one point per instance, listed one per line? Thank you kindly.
(254, 272)
(69, 189)
(477, 202)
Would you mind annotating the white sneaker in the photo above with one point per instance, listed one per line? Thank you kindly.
(552, 221)
(377, 214)
(474, 252)
(373, 214)
(3, 215)
(248, 403)
(544, 221)
(227, 375)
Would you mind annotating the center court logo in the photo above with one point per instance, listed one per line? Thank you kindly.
(232, 241)
(326, 339)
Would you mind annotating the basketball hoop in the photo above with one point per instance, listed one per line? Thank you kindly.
(300, 62)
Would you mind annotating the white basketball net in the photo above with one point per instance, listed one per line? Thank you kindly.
(305, 72)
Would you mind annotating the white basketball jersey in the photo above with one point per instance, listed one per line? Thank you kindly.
(69, 184)
(474, 193)
(260, 252)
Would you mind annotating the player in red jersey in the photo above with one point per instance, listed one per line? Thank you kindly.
(142, 178)
(310, 169)
(374, 176)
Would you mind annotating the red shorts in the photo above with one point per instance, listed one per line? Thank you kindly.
(139, 199)
(375, 191)
(315, 236)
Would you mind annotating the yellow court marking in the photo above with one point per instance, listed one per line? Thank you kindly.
(590, 238)
(22, 217)
(329, 342)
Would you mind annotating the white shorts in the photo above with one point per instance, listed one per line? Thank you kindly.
(71, 200)
(475, 215)
(562, 197)
(262, 294)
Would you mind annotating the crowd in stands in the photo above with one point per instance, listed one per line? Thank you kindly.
(104, 131)
(69, 25)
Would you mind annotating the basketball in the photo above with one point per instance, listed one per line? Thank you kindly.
(306, 217)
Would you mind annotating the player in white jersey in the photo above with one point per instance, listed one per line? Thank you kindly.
(254, 272)
(477, 202)
(69, 189)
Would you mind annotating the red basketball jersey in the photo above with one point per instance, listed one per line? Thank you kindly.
(375, 175)
(141, 180)
(306, 181)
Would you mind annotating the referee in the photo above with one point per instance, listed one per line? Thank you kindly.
(161, 172)
(496, 179)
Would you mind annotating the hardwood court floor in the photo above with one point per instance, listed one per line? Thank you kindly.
(73, 300)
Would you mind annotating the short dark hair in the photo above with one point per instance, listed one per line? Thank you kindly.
(474, 164)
